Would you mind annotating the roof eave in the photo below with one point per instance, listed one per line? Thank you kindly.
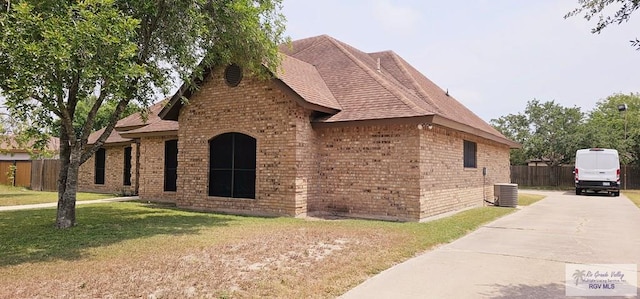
(439, 120)
(425, 119)
(129, 128)
(169, 133)
(118, 143)
(371, 122)
(172, 110)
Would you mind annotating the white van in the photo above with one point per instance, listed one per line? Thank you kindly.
(597, 169)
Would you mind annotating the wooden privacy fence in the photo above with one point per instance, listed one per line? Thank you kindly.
(21, 177)
(44, 175)
(562, 176)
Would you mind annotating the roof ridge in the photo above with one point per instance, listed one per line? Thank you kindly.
(315, 40)
(380, 79)
(401, 64)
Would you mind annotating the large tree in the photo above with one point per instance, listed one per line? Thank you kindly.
(546, 131)
(622, 10)
(102, 118)
(55, 54)
(609, 127)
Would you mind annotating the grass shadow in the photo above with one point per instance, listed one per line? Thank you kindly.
(30, 236)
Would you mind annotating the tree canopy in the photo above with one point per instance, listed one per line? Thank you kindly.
(599, 9)
(546, 131)
(553, 133)
(56, 54)
(102, 118)
(608, 127)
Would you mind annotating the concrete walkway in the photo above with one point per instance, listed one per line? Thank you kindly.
(55, 204)
(522, 255)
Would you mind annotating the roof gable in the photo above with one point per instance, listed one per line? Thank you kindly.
(306, 81)
(362, 91)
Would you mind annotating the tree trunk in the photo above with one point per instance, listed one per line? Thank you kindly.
(67, 183)
(66, 216)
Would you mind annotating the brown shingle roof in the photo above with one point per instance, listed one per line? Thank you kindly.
(381, 85)
(136, 119)
(134, 126)
(156, 128)
(359, 86)
(114, 138)
(438, 100)
(305, 80)
(363, 93)
(11, 145)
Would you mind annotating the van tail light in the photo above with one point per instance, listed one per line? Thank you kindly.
(618, 175)
(576, 172)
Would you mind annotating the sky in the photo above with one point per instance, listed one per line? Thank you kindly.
(492, 55)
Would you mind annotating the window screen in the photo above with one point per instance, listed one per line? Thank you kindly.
(232, 166)
(170, 165)
(99, 166)
(470, 149)
(127, 167)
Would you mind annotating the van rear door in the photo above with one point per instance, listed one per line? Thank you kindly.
(598, 166)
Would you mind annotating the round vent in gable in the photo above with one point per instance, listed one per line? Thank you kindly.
(233, 75)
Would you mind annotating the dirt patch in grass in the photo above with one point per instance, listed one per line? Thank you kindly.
(274, 263)
(233, 257)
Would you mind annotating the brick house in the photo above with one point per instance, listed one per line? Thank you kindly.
(139, 157)
(336, 130)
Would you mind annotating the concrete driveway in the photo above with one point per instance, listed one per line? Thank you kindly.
(522, 255)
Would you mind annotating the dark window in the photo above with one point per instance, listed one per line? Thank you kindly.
(99, 169)
(470, 149)
(127, 166)
(170, 165)
(232, 166)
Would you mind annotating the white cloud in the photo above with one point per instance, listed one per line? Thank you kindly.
(396, 18)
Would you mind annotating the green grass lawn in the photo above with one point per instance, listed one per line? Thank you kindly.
(11, 196)
(130, 249)
(634, 196)
(528, 199)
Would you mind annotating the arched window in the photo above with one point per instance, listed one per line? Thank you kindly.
(232, 166)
